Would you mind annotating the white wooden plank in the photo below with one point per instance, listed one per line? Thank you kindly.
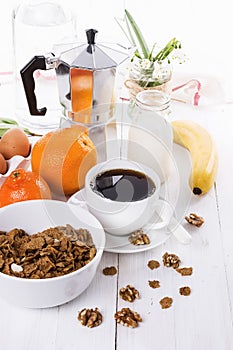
(101, 293)
(153, 329)
(27, 328)
(202, 320)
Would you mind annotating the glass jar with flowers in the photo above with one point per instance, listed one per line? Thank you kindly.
(149, 68)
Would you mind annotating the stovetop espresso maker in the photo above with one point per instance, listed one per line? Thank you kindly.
(85, 77)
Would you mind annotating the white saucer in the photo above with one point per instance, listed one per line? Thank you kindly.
(115, 244)
(121, 244)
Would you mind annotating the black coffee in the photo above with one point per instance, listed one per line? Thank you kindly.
(123, 185)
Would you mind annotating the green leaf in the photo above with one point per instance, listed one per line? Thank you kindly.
(8, 121)
(130, 33)
(170, 46)
(2, 131)
(151, 53)
(138, 34)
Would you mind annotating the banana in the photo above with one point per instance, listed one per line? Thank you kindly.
(203, 154)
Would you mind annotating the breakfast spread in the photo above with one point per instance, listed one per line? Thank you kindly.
(55, 168)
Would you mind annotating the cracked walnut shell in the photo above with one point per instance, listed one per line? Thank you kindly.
(127, 317)
(90, 317)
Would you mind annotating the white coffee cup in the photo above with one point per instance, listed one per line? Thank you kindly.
(122, 218)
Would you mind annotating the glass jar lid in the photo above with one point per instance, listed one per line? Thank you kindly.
(153, 100)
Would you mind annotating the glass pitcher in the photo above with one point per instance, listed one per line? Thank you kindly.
(37, 26)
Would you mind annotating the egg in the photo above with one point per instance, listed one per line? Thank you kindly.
(14, 142)
(3, 165)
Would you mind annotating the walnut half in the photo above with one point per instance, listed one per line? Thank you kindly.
(90, 317)
(194, 219)
(129, 293)
(185, 291)
(153, 264)
(109, 271)
(185, 271)
(166, 302)
(127, 317)
(139, 238)
(171, 260)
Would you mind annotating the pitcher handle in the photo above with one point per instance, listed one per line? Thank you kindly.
(37, 62)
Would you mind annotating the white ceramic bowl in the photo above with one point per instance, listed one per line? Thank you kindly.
(34, 216)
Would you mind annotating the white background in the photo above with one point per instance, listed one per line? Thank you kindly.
(203, 27)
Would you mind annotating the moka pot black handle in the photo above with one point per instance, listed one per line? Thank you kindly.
(37, 62)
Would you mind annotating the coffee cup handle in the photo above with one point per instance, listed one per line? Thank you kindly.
(168, 220)
(165, 212)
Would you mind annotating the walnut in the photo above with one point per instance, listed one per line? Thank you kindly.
(185, 271)
(109, 271)
(171, 260)
(153, 264)
(127, 317)
(154, 284)
(185, 291)
(129, 293)
(166, 302)
(194, 219)
(139, 238)
(90, 317)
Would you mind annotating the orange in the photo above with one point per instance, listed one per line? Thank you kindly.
(23, 185)
(81, 89)
(63, 157)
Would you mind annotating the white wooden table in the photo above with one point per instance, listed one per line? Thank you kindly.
(200, 321)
